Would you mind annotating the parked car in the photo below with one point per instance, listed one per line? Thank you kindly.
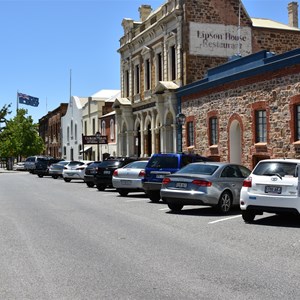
(206, 183)
(161, 165)
(43, 164)
(90, 172)
(273, 186)
(103, 177)
(30, 162)
(75, 170)
(56, 169)
(129, 178)
(19, 166)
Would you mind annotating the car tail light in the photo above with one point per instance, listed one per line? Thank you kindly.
(247, 182)
(202, 182)
(80, 168)
(166, 180)
(65, 168)
(115, 173)
(142, 173)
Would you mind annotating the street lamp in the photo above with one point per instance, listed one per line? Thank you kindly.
(98, 136)
(180, 120)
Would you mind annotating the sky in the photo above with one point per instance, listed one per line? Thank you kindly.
(47, 44)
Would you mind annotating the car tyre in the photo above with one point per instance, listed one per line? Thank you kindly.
(154, 197)
(175, 206)
(90, 184)
(40, 175)
(248, 216)
(101, 187)
(122, 192)
(54, 176)
(225, 202)
(67, 180)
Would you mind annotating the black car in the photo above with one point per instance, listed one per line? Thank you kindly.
(43, 164)
(90, 172)
(103, 176)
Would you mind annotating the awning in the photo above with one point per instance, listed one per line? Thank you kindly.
(85, 149)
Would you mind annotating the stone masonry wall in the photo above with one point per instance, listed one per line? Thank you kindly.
(238, 100)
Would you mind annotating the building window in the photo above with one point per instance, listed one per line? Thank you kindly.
(103, 131)
(137, 79)
(94, 126)
(85, 127)
(190, 134)
(68, 134)
(297, 122)
(126, 84)
(65, 150)
(159, 67)
(112, 129)
(213, 131)
(72, 130)
(147, 74)
(173, 63)
(75, 129)
(260, 126)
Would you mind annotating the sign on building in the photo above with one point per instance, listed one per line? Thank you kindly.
(219, 40)
(93, 139)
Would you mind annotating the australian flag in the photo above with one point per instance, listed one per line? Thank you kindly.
(28, 100)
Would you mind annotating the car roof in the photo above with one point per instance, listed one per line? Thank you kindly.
(292, 160)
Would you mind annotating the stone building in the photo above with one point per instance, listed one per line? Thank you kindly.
(245, 110)
(174, 46)
(97, 105)
(50, 130)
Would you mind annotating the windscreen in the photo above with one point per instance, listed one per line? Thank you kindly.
(163, 162)
(201, 169)
(276, 168)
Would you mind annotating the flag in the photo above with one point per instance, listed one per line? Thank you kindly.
(28, 100)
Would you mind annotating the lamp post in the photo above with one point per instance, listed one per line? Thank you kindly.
(98, 136)
(180, 120)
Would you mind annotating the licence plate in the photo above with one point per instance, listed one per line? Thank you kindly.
(273, 189)
(160, 176)
(181, 185)
(126, 182)
(106, 172)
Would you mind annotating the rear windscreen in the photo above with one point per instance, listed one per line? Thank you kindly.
(276, 168)
(163, 162)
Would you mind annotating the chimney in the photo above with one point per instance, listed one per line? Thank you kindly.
(145, 11)
(293, 14)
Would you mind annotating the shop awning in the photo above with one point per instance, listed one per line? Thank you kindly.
(85, 149)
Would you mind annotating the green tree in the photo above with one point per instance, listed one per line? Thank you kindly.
(20, 137)
(4, 112)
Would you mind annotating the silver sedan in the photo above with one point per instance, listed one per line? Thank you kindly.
(205, 183)
(129, 178)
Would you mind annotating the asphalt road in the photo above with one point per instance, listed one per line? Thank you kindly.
(66, 241)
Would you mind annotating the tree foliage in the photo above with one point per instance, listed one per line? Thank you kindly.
(4, 112)
(20, 137)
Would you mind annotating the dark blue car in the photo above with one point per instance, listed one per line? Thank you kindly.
(162, 164)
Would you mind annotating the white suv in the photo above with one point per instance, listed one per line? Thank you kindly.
(273, 186)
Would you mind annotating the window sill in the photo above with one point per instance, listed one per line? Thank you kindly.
(260, 145)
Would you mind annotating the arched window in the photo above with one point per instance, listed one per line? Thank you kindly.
(75, 132)
(112, 129)
(103, 131)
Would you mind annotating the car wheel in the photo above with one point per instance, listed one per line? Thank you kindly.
(40, 175)
(122, 192)
(154, 197)
(67, 180)
(248, 216)
(225, 202)
(175, 206)
(101, 187)
(54, 176)
(90, 184)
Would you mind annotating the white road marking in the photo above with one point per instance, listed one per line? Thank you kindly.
(137, 200)
(166, 208)
(225, 219)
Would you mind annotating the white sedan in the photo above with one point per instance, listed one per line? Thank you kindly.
(129, 178)
(75, 170)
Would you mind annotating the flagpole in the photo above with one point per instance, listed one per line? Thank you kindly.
(17, 101)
